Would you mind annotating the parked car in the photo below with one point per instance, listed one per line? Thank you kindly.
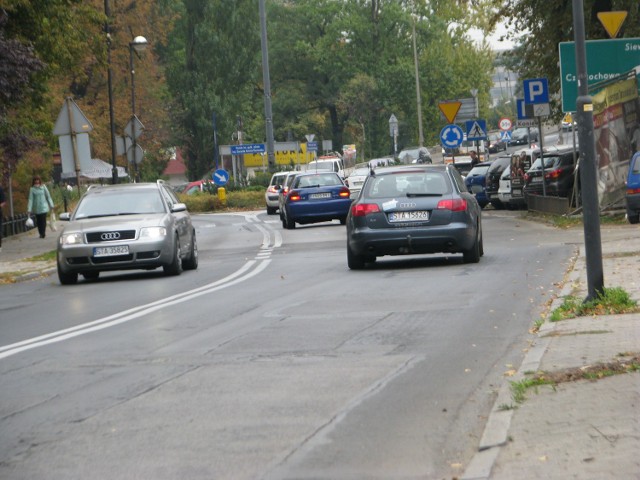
(271, 194)
(356, 179)
(282, 194)
(496, 144)
(504, 190)
(316, 197)
(559, 169)
(476, 182)
(415, 155)
(417, 209)
(524, 136)
(200, 186)
(632, 196)
(124, 227)
(492, 183)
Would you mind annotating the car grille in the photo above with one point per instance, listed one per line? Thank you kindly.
(110, 236)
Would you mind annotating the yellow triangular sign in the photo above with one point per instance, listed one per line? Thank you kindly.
(612, 21)
(450, 110)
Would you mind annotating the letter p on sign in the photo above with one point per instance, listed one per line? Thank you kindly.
(536, 90)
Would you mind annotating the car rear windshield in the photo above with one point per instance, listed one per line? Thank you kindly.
(479, 170)
(117, 202)
(319, 180)
(499, 164)
(549, 162)
(408, 184)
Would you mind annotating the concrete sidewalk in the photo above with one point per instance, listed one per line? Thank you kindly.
(17, 249)
(584, 429)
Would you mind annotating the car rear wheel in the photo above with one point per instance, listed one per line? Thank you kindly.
(473, 254)
(191, 263)
(288, 223)
(633, 218)
(271, 210)
(67, 278)
(354, 262)
(343, 220)
(497, 204)
(175, 267)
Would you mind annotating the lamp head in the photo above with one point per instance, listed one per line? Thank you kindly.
(139, 44)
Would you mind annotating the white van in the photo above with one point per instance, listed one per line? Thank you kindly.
(327, 164)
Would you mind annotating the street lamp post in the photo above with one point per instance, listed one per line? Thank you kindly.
(393, 132)
(139, 44)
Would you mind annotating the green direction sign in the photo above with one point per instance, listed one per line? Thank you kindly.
(606, 59)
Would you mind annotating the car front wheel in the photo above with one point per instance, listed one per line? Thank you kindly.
(473, 254)
(67, 278)
(191, 263)
(175, 267)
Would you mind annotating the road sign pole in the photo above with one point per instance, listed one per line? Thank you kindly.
(586, 142)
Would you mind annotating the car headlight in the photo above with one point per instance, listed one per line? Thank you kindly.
(71, 239)
(153, 232)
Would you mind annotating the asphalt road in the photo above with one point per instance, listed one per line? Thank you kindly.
(272, 360)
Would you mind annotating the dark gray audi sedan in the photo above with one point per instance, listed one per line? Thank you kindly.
(414, 210)
(124, 227)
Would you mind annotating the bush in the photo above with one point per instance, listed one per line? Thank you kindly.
(247, 199)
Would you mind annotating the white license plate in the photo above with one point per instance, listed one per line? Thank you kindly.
(536, 180)
(516, 192)
(111, 251)
(416, 216)
(314, 196)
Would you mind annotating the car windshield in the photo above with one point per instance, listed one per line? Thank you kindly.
(118, 202)
(408, 184)
(320, 180)
(324, 166)
(478, 170)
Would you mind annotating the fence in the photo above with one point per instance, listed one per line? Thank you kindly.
(14, 225)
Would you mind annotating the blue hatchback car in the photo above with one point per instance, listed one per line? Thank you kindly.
(316, 197)
(632, 196)
(476, 182)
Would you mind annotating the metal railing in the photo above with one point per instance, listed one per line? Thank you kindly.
(14, 225)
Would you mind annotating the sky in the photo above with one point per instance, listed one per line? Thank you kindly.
(477, 36)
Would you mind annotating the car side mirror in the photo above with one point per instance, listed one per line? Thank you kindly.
(179, 207)
(65, 216)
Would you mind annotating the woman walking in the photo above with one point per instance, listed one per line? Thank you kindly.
(39, 203)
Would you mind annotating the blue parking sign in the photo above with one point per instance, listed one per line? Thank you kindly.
(536, 90)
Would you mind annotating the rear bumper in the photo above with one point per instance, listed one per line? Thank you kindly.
(452, 238)
(308, 212)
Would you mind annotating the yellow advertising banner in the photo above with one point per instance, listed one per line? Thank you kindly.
(619, 92)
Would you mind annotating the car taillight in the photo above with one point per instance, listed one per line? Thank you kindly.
(344, 192)
(272, 189)
(364, 209)
(633, 191)
(285, 190)
(294, 196)
(453, 204)
(527, 177)
(553, 174)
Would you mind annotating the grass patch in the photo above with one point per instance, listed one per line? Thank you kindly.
(610, 302)
(45, 257)
(629, 364)
(519, 389)
(236, 200)
(565, 221)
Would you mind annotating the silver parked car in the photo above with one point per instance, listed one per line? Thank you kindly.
(125, 227)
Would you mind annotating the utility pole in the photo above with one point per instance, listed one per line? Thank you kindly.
(266, 79)
(588, 167)
(112, 125)
(418, 99)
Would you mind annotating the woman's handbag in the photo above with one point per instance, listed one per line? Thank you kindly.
(29, 223)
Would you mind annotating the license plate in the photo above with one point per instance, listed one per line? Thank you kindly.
(416, 216)
(111, 251)
(516, 192)
(536, 180)
(314, 196)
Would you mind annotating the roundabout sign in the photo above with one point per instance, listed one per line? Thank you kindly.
(451, 136)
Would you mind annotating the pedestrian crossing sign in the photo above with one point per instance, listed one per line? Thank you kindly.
(506, 136)
(476, 130)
